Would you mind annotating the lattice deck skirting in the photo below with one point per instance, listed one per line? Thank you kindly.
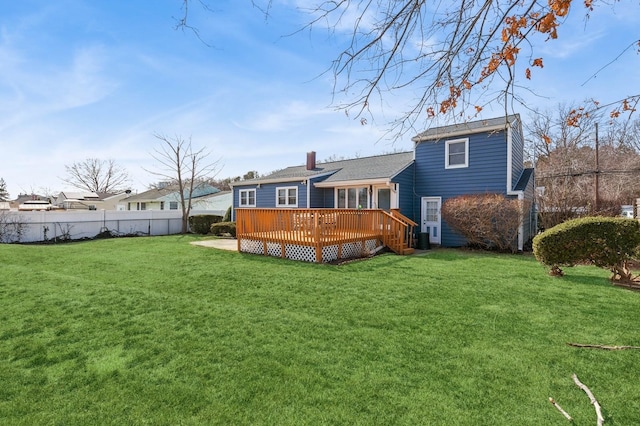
(308, 253)
(322, 235)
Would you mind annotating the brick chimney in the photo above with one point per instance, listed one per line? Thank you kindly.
(311, 160)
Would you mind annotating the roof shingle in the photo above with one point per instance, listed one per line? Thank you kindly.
(375, 167)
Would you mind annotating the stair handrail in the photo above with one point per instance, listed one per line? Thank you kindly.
(410, 225)
(404, 237)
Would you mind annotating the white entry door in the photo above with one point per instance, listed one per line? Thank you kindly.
(431, 220)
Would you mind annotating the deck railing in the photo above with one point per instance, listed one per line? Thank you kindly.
(410, 224)
(322, 227)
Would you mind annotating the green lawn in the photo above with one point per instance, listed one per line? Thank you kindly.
(158, 331)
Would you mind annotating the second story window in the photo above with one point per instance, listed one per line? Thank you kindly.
(456, 154)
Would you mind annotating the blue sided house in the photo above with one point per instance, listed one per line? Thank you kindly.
(478, 157)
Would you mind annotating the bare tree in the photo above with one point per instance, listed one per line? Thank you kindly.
(97, 175)
(12, 227)
(549, 130)
(624, 133)
(180, 163)
(570, 181)
(453, 57)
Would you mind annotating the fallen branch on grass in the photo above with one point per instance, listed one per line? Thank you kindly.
(631, 285)
(609, 348)
(564, 413)
(592, 398)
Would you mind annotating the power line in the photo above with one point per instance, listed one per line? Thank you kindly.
(588, 172)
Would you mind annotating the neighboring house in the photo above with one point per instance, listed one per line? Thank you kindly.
(216, 204)
(22, 198)
(80, 200)
(165, 197)
(92, 200)
(473, 158)
(35, 205)
(116, 201)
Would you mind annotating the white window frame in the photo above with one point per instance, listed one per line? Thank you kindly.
(287, 195)
(246, 191)
(173, 205)
(466, 153)
(393, 189)
(346, 195)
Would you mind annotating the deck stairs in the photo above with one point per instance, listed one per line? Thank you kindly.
(399, 241)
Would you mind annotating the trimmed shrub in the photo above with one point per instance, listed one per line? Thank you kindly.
(487, 221)
(223, 228)
(606, 242)
(201, 224)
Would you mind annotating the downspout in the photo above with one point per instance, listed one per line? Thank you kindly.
(416, 217)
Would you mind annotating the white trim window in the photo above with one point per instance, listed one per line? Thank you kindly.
(456, 154)
(247, 198)
(352, 198)
(287, 196)
(173, 205)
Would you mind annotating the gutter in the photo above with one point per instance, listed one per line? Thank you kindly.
(461, 132)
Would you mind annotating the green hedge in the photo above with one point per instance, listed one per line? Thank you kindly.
(201, 224)
(224, 228)
(606, 242)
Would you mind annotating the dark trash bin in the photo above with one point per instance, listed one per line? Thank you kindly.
(423, 241)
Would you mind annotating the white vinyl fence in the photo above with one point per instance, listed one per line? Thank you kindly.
(24, 227)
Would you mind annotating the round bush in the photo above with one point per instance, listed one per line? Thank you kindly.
(606, 242)
(224, 228)
(201, 224)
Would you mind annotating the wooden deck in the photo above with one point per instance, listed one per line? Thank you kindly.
(322, 235)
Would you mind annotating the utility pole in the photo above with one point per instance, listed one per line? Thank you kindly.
(596, 176)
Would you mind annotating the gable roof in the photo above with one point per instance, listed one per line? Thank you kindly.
(366, 168)
(377, 167)
(471, 127)
(153, 194)
(156, 194)
(80, 196)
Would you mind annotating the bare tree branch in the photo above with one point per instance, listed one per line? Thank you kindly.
(592, 399)
(454, 58)
(97, 175)
(179, 163)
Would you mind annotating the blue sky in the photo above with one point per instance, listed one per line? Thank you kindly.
(94, 78)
